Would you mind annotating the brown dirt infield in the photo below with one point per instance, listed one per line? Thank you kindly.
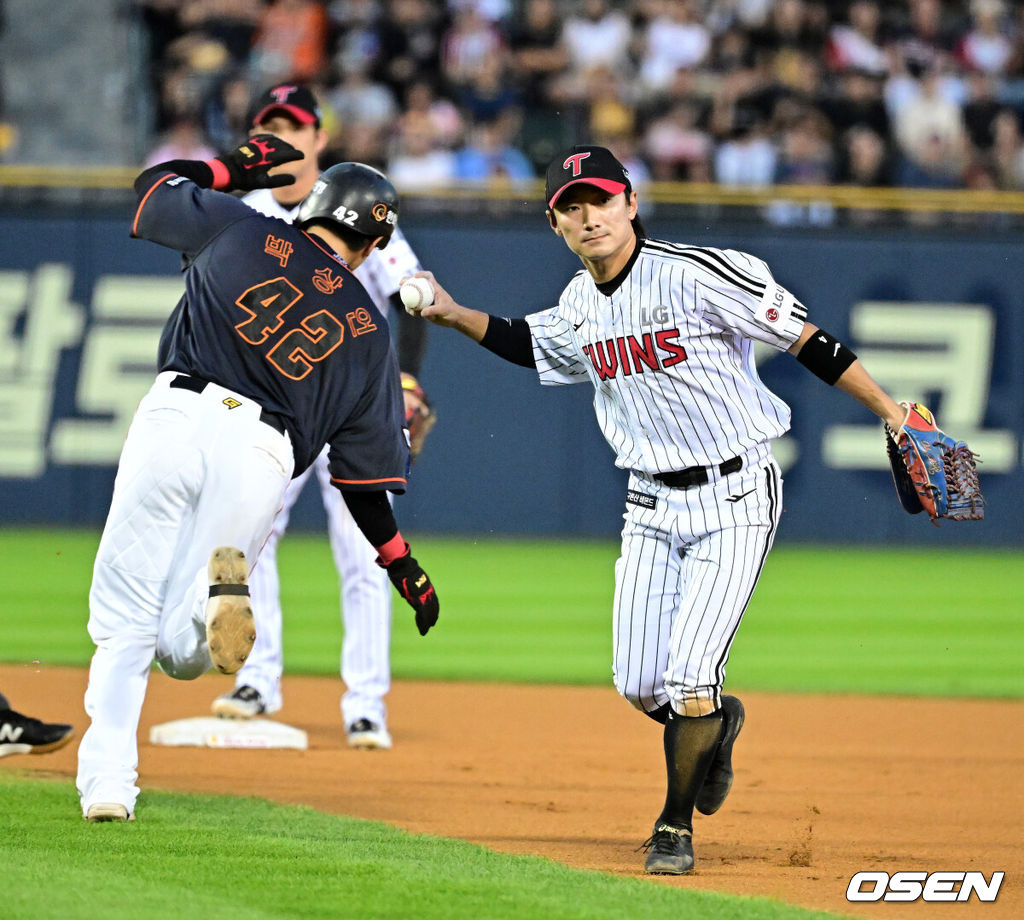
(825, 786)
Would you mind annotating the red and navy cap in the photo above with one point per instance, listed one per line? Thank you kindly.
(587, 165)
(293, 99)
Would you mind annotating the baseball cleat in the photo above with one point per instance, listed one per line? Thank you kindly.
(24, 735)
(230, 628)
(243, 702)
(669, 851)
(108, 811)
(718, 782)
(365, 735)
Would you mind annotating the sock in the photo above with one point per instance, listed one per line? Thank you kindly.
(690, 746)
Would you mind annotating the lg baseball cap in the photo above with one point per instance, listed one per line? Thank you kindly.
(294, 100)
(588, 165)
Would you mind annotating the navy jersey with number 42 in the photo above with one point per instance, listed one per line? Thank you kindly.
(271, 313)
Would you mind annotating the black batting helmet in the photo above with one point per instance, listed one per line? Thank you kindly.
(354, 196)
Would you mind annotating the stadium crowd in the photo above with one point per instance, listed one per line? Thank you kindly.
(915, 93)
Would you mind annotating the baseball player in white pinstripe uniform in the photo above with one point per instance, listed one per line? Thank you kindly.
(291, 112)
(665, 334)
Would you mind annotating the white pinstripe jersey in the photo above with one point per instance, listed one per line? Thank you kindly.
(670, 354)
(383, 269)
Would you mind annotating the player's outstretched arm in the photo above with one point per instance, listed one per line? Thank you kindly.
(444, 311)
(508, 338)
(835, 364)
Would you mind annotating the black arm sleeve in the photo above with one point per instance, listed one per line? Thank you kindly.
(412, 338)
(196, 170)
(373, 515)
(510, 339)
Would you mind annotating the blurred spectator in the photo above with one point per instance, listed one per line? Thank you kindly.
(857, 44)
(417, 164)
(805, 154)
(748, 156)
(470, 44)
(1008, 151)
(611, 113)
(864, 158)
(494, 11)
(910, 91)
(675, 39)
(409, 33)
(925, 42)
(987, 47)
(183, 141)
(857, 100)
(440, 113)
(292, 42)
(931, 136)
(355, 42)
(791, 27)
(732, 51)
(189, 74)
(226, 112)
(357, 143)
(864, 161)
(488, 92)
(739, 15)
(625, 150)
(360, 100)
(677, 147)
(537, 52)
(489, 155)
(595, 35)
(981, 110)
(232, 24)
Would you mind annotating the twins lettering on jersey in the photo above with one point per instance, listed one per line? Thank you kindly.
(627, 354)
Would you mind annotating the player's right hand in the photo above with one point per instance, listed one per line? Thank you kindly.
(414, 585)
(444, 311)
(249, 164)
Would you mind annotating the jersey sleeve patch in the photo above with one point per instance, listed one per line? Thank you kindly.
(775, 308)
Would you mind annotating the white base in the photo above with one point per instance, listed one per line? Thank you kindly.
(209, 731)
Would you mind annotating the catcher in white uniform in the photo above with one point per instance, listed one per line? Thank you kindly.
(665, 334)
(291, 112)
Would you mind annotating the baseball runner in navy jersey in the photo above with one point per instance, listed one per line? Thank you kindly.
(665, 333)
(291, 112)
(274, 350)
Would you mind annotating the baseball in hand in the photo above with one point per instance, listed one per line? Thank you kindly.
(416, 294)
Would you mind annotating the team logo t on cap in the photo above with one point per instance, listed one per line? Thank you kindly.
(586, 165)
(294, 100)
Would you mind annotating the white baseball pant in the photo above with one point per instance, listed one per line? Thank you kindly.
(197, 471)
(365, 609)
(688, 568)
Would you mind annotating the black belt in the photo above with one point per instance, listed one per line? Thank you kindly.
(197, 385)
(697, 475)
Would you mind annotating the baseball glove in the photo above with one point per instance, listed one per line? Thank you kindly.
(931, 471)
(419, 416)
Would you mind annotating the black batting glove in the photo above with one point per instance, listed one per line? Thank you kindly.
(248, 166)
(414, 585)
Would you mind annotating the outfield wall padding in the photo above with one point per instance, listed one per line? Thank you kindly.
(935, 313)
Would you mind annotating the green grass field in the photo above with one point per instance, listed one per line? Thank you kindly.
(233, 858)
(831, 620)
(892, 621)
